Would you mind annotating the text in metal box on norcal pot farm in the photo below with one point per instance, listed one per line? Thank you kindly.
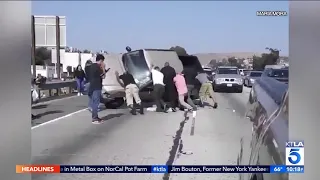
(295, 153)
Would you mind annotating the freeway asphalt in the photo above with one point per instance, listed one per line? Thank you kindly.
(213, 138)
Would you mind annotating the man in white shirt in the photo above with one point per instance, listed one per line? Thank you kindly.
(158, 89)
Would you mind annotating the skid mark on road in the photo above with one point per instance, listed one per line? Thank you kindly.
(176, 147)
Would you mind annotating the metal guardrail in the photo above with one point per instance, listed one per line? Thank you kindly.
(58, 86)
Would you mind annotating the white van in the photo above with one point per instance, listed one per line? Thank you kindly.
(139, 63)
(112, 91)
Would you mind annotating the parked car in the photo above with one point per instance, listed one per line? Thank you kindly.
(228, 78)
(268, 111)
(246, 71)
(251, 77)
(139, 63)
(280, 74)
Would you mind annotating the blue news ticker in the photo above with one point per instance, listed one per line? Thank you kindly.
(162, 169)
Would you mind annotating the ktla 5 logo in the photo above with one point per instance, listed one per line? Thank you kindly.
(295, 153)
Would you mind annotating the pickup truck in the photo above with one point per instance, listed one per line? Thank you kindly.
(268, 109)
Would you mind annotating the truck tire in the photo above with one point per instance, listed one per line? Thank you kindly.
(240, 90)
(215, 89)
(115, 103)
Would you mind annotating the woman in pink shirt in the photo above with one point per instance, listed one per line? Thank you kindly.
(182, 89)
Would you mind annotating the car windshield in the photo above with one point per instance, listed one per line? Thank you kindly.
(281, 73)
(246, 72)
(255, 74)
(228, 71)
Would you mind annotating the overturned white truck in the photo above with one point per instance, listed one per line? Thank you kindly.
(139, 63)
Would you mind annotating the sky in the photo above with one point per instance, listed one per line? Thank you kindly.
(198, 26)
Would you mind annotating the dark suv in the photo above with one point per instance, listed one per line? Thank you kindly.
(281, 75)
(269, 130)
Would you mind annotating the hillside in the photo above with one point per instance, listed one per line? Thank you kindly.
(205, 58)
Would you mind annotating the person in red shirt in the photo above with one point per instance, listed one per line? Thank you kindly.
(183, 95)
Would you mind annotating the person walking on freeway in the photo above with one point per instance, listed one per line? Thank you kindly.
(96, 74)
(206, 88)
(87, 83)
(171, 94)
(79, 74)
(158, 89)
(131, 90)
(184, 96)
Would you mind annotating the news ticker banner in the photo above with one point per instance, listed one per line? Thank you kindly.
(156, 169)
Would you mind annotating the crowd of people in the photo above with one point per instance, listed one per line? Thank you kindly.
(176, 86)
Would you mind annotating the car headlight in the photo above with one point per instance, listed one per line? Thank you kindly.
(218, 81)
(239, 80)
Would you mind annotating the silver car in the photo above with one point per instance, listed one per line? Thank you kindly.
(251, 77)
(228, 78)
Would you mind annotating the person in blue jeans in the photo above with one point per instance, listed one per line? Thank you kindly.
(80, 78)
(87, 83)
(96, 73)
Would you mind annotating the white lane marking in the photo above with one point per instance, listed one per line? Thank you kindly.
(59, 118)
(275, 143)
(54, 100)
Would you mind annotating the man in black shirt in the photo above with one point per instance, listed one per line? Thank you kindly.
(131, 90)
(171, 94)
(96, 75)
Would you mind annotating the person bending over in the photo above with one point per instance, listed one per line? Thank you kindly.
(131, 90)
(170, 89)
(206, 88)
(158, 89)
(183, 95)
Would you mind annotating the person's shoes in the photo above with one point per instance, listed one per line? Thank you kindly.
(133, 110)
(141, 108)
(97, 121)
(174, 109)
(165, 108)
(161, 110)
(215, 106)
(79, 94)
(201, 104)
(185, 113)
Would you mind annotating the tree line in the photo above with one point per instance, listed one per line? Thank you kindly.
(259, 62)
(270, 58)
(43, 56)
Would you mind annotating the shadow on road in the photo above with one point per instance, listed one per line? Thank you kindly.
(37, 116)
(56, 97)
(42, 106)
(110, 116)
